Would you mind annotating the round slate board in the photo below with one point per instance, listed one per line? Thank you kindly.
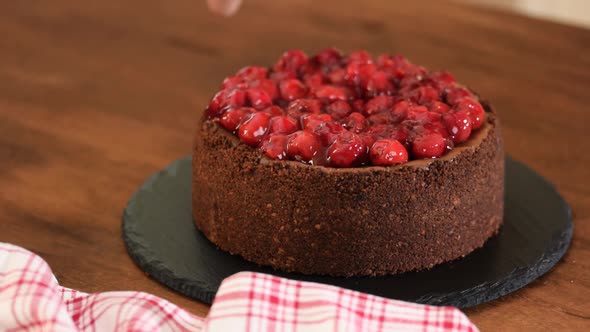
(160, 236)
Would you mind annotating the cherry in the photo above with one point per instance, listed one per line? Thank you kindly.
(278, 76)
(347, 150)
(387, 152)
(358, 105)
(423, 95)
(328, 131)
(454, 94)
(339, 109)
(269, 86)
(356, 122)
(360, 57)
(378, 104)
(439, 107)
(428, 145)
(297, 107)
(328, 57)
(329, 93)
(379, 84)
(259, 99)
(291, 61)
(283, 124)
(359, 73)
(302, 146)
(474, 109)
(233, 82)
(442, 79)
(313, 121)
(313, 80)
(251, 73)
(273, 110)
(337, 75)
(233, 117)
(275, 146)
(224, 99)
(254, 128)
(292, 89)
(458, 125)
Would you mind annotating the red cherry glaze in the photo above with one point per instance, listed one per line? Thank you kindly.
(254, 128)
(387, 152)
(428, 146)
(346, 111)
(292, 89)
(274, 146)
(347, 150)
(283, 124)
(233, 117)
(302, 146)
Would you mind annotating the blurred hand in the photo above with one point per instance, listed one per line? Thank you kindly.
(224, 7)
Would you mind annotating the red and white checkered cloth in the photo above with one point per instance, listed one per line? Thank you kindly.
(32, 300)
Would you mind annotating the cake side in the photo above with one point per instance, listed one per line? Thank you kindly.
(344, 222)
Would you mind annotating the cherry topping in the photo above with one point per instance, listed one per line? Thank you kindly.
(259, 99)
(313, 121)
(474, 109)
(428, 146)
(386, 152)
(302, 146)
(275, 146)
(283, 124)
(347, 150)
(298, 107)
(292, 89)
(339, 109)
(252, 73)
(233, 117)
(378, 104)
(291, 61)
(346, 111)
(254, 128)
(458, 125)
(356, 122)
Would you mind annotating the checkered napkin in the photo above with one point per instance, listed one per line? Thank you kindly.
(32, 300)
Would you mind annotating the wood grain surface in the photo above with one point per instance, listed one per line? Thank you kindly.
(96, 96)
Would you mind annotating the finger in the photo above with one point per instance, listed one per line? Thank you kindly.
(224, 7)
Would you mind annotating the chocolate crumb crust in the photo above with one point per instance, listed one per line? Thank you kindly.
(363, 221)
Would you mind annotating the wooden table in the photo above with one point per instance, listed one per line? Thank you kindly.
(96, 96)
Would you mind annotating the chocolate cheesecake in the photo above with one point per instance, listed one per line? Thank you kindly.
(346, 166)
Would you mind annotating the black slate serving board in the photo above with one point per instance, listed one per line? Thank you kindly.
(160, 236)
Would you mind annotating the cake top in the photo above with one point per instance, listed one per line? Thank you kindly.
(339, 110)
